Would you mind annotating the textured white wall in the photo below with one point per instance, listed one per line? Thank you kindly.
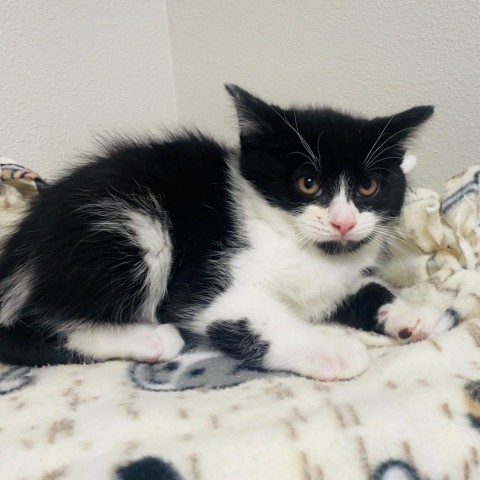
(372, 57)
(70, 69)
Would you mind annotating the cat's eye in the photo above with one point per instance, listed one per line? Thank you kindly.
(368, 187)
(309, 185)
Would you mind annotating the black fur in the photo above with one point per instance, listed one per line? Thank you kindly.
(273, 154)
(336, 248)
(238, 340)
(81, 274)
(454, 315)
(26, 345)
(360, 310)
(85, 274)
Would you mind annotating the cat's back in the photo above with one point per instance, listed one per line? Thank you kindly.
(179, 177)
(177, 166)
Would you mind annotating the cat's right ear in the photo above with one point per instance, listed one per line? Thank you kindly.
(255, 117)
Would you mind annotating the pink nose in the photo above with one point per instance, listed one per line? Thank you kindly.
(343, 227)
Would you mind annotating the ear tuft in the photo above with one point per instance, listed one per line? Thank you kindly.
(408, 163)
(253, 114)
(399, 128)
(235, 91)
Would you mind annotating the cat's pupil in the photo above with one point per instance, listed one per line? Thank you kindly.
(367, 184)
(308, 182)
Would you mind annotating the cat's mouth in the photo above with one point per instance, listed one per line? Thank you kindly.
(336, 247)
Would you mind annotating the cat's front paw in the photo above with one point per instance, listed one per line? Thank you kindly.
(411, 324)
(152, 344)
(328, 358)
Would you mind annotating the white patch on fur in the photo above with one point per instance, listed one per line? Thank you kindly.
(408, 163)
(282, 283)
(15, 292)
(321, 352)
(150, 233)
(284, 261)
(418, 321)
(144, 343)
(154, 239)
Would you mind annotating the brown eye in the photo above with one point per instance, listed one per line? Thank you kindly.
(368, 187)
(309, 185)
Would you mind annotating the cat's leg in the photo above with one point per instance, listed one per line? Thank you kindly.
(375, 307)
(141, 342)
(26, 345)
(98, 300)
(259, 330)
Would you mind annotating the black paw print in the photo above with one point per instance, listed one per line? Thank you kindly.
(148, 468)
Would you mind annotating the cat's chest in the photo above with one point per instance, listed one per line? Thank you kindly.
(311, 285)
(309, 282)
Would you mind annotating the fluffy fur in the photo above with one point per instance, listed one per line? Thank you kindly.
(223, 244)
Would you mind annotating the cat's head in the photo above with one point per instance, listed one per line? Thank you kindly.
(341, 178)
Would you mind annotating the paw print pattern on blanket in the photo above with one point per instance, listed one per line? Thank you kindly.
(14, 378)
(472, 398)
(195, 369)
(395, 470)
(148, 468)
(415, 414)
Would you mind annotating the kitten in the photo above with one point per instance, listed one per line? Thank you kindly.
(252, 251)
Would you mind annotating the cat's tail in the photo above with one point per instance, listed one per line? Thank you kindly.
(23, 345)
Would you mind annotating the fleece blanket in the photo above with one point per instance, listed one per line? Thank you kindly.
(415, 413)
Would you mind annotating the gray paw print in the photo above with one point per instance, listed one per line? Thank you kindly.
(192, 370)
(14, 378)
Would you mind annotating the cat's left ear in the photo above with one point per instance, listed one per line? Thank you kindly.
(399, 128)
(256, 118)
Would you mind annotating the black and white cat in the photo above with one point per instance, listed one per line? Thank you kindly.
(252, 251)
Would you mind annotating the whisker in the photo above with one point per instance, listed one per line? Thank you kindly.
(300, 137)
(303, 155)
(388, 139)
(378, 138)
(318, 150)
(304, 142)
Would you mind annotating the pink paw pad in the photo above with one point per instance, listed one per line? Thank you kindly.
(151, 360)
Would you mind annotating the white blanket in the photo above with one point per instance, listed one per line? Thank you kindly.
(415, 414)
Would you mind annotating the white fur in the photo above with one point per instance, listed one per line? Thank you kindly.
(315, 223)
(421, 322)
(154, 239)
(295, 345)
(139, 342)
(341, 211)
(283, 281)
(15, 292)
(152, 236)
(408, 163)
